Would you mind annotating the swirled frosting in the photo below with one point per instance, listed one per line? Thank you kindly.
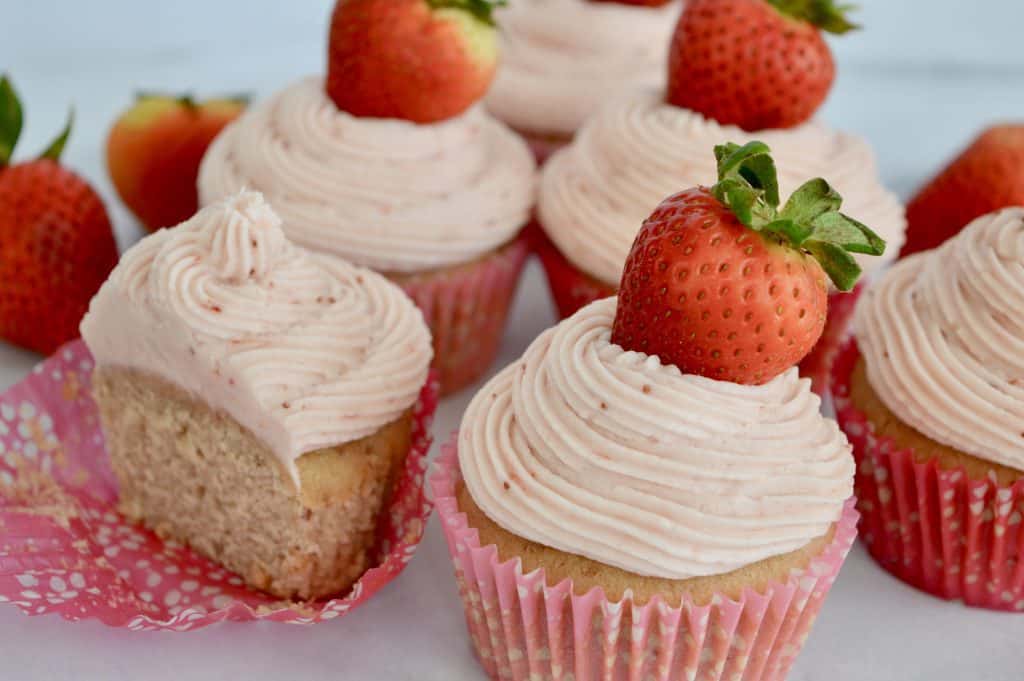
(942, 335)
(386, 194)
(305, 351)
(561, 59)
(597, 192)
(608, 454)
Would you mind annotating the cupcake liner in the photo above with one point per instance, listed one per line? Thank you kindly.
(571, 288)
(935, 529)
(817, 366)
(64, 549)
(466, 309)
(524, 629)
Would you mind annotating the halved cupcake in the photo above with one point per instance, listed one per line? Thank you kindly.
(430, 191)
(562, 59)
(931, 394)
(257, 400)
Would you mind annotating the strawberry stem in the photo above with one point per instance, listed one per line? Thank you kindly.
(11, 119)
(810, 221)
(824, 14)
(56, 147)
(483, 10)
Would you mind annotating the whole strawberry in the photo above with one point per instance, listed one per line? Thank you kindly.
(757, 64)
(154, 150)
(419, 60)
(723, 284)
(987, 176)
(56, 244)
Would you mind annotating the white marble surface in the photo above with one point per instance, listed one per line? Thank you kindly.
(925, 76)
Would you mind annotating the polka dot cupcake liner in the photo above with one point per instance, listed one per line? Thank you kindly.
(525, 629)
(935, 529)
(571, 289)
(64, 549)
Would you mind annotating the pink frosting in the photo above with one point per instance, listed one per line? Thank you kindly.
(612, 455)
(387, 194)
(306, 351)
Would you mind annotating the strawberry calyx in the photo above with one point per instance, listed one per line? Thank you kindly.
(188, 100)
(11, 119)
(483, 10)
(810, 220)
(824, 14)
(56, 147)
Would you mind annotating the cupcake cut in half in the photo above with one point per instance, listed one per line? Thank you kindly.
(735, 65)
(636, 499)
(390, 163)
(932, 394)
(256, 399)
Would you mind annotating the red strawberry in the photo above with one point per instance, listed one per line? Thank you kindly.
(723, 284)
(56, 245)
(154, 150)
(420, 60)
(758, 64)
(987, 176)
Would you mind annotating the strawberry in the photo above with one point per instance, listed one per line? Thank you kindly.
(757, 64)
(987, 176)
(419, 60)
(154, 150)
(56, 245)
(723, 284)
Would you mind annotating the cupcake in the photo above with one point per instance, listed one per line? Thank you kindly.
(637, 149)
(431, 192)
(561, 59)
(931, 393)
(619, 505)
(256, 399)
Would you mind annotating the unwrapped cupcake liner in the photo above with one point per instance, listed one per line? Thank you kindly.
(935, 529)
(65, 549)
(525, 629)
(817, 366)
(466, 310)
(571, 288)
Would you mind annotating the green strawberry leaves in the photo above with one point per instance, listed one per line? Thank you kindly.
(11, 119)
(824, 14)
(481, 9)
(56, 147)
(748, 184)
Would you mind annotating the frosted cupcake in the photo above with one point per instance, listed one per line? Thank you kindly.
(678, 513)
(636, 150)
(257, 400)
(561, 59)
(431, 193)
(932, 395)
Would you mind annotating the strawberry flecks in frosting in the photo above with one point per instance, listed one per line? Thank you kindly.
(592, 450)
(595, 194)
(386, 194)
(561, 59)
(304, 350)
(943, 339)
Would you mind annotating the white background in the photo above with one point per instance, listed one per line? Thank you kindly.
(918, 83)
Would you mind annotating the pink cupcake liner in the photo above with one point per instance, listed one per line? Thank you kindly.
(817, 366)
(466, 310)
(524, 629)
(935, 529)
(64, 549)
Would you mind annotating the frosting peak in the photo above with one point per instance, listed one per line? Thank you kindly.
(592, 450)
(943, 339)
(306, 351)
